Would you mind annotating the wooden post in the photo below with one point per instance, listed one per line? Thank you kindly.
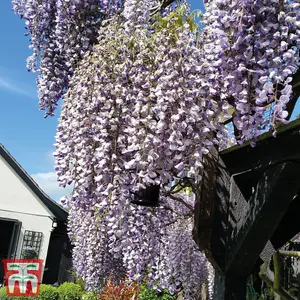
(235, 287)
(230, 287)
(205, 195)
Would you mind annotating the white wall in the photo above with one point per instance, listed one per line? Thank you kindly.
(17, 201)
(32, 223)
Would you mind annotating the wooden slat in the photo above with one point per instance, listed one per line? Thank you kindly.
(205, 195)
(274, 192)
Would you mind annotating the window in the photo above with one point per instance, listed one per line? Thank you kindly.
(31, 244)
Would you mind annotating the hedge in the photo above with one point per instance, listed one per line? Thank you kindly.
(3, 296)
(47, 292)
(89, 296)
(69, 291)
(66, 291)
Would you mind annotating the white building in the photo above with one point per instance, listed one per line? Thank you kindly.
(29, 218)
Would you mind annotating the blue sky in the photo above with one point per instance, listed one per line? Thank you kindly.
(23, 130)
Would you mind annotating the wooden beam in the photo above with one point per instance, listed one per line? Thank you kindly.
(221, 228)
(257, 220)
(204, 205)
(286, 229)
(296, 93)
(268, 150)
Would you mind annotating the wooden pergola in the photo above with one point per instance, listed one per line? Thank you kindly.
(248, 204)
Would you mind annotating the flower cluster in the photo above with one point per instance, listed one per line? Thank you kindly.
(60, 33)
(137, 112)
(252, 50)
(123, 101)
(144, 244)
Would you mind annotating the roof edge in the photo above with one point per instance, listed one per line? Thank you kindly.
(58, 211)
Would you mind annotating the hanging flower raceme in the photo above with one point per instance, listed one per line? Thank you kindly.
(139, 243)
(135, 116)
(60, 33)
(252, 52)
(136, 113)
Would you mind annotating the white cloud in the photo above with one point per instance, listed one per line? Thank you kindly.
(48, 183)
(14, 87)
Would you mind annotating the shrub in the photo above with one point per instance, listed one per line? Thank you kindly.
(69, 291)
(146, 293)
(122, 290)
(80, 282)
(48, 292)
(77, 279)
(3, 295)
(89, 296)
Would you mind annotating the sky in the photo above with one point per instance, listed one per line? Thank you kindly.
(23, 130)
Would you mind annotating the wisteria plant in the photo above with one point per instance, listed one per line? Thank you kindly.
(146, 92)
